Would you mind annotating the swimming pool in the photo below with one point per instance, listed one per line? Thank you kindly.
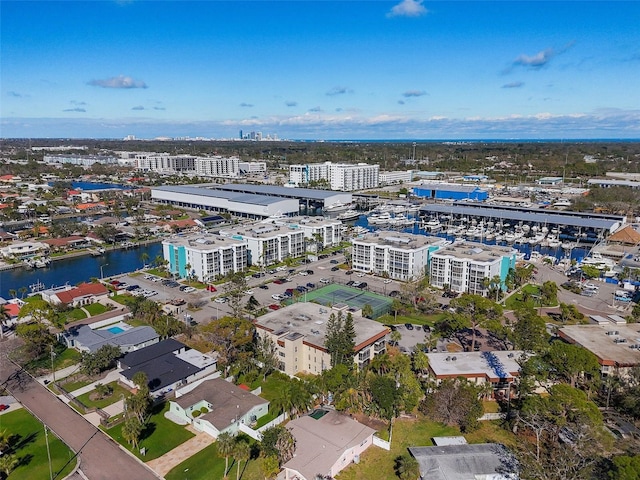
(115, 330)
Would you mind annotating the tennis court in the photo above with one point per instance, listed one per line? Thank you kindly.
(354, 297)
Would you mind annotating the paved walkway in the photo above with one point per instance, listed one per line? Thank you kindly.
(164, 464)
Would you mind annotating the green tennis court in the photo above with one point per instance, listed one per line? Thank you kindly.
(354, 297)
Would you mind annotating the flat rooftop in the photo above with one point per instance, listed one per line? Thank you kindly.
(310, 321)
(203, 242)
(405, 241)
(610, 343)
(306, 221)
(287, 192)
(527, 214)
(227, 195)
(491, 365)
(259, 230)
(476, 251)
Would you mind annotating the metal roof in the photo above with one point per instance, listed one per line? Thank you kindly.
(451, 187)
(291, 192)
(229, 195)
(540, 216)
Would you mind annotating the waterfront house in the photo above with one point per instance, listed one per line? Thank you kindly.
(22, 250)
(83, 294)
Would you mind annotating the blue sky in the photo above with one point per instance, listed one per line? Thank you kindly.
(406, 69)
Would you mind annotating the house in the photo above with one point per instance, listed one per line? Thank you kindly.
(326, 443)
(74, 241)
(221, 407)
(83, 294)
(24, 250)
(488, 461)
(168, 364)
(86, 339)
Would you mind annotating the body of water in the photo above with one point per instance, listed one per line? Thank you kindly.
(78, 269)
(96, 186)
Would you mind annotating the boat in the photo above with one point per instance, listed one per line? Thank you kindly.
(349, 215)
(338, 207)
(598, 261)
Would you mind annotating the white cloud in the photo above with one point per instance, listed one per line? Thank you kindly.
(414, 93)
(408, 8)
(120, 81)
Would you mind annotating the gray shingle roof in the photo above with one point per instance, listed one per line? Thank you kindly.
(84, 336)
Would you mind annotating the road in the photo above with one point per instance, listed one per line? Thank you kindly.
(101, 457)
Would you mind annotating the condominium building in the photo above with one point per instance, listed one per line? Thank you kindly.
(320, 232)
(340, 176)
(464, 267)
(252, 168)
(299, 333)
(82, 160)
(205, 257)
(402, 256)
(215, 166)
(269, 243)
(392, 178)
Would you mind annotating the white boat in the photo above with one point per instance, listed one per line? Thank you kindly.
(349, 215)
(380, 219)
(598, 261)
(433, 224)
(337, 207)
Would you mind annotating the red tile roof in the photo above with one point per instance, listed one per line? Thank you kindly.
(12, 309)
(82, 290)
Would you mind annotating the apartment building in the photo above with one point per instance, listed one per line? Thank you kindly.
(394, 178)
(82, 160)
(299, 333)
(269, 243)
(340, 176)
(402, 256)
(215, 166)
(320, 232)
(205, 257)
(465, 266)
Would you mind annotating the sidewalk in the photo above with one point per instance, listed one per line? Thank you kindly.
(62, 373)
(163, 465)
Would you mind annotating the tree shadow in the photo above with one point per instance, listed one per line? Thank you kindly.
(16, 442)
(24, 460)
(148, 430)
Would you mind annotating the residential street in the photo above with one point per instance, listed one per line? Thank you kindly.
(101, 457)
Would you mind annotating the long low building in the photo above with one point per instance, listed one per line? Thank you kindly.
(616, 346)
(223, 201)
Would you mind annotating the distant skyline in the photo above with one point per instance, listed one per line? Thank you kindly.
(405, 69)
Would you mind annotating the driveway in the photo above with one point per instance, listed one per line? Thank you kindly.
(101, 457)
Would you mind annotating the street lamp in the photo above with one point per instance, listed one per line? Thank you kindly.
(101, 270)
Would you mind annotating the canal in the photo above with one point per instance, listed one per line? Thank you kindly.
(78, 269)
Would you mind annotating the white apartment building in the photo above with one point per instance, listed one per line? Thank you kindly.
(319, 231)
(269, 243)
(82, 160)
(217, 166)
(165, 163)
(402, 256)
(299, 333)
(465, 266)
(341, 176)
(205, 257)
(394, 178)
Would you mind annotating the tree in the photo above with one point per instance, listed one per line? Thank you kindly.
(7, 463)
(406, 467)
(530, 331)
(454, 402)
(473, 311)
(386, 396)
(570, 361)
(267, 355)
(103, 359)
(36, 336)
(569, 313)
(279, 442)
(292, 397)
(340, 339)
(242, 453)
(224, 443)
(230, 337)
(367, 311)
(145, 258)
(549, 293)
(131, 430)
(625, 468)
(270, 466)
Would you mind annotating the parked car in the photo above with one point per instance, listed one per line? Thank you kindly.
(325, 280)
(189, 290)
(388, 281)
(3, 407)
(248, 292)
(310, 272)
(211, 288)
(278, 281)
(348, 272)
(221, 300)
(131, 288)
(301, 288)
(273, 306)
(408, 326)
(334, 261)
(276, 296)
(360, 274)
(264, 287)
(350, 283)
(363, 285)
(311, 285)
(335, 269)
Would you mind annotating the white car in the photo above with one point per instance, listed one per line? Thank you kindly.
(304, 274)
(189, 290)
(361, 275)
(325, 280)
(388, 280)
(281, 269)
(591, 286)
(276, 296)
(248, 292)
(220, 300)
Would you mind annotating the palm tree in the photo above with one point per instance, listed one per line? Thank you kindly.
(131, 430)
(242, 453)
(225, 443)
(4, 316)
(145, 258)
(407, 467)
(7, 464)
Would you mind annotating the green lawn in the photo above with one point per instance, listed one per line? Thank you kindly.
(96, 309)
(122, 299)
(514, 301)
(159, 437)
(103, 402)
(71, 386)
(31, 448)
(64, 357)
(207, 464)
(75, 314)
